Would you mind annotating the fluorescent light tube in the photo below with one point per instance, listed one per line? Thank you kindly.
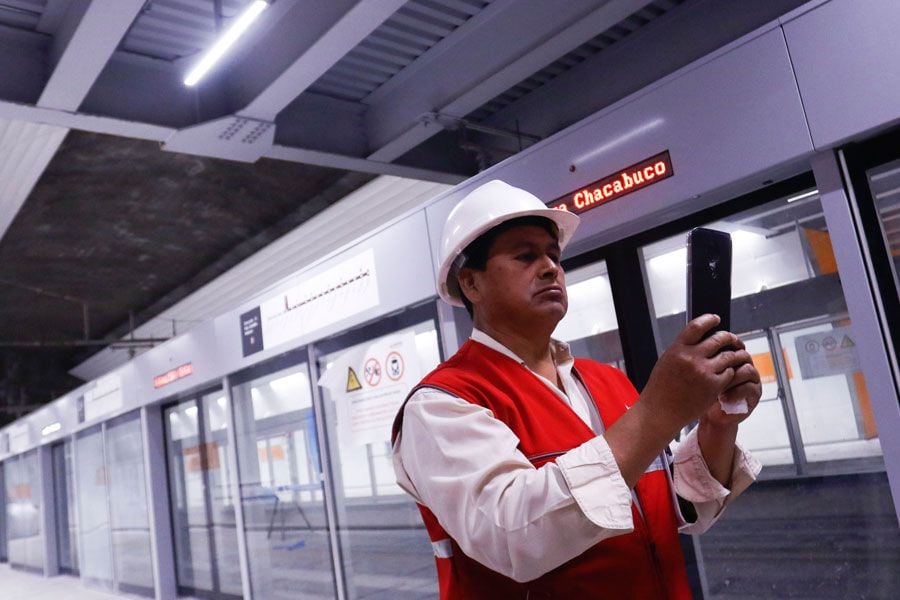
(225, 42)
(802, 196)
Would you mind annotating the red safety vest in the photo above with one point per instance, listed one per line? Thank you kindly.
(646, 563)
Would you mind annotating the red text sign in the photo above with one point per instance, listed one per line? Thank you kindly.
(173, 375)
(637, 176)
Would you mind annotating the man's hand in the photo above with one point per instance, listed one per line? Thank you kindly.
(745, 386)
(693, 372)
(718, 430)
(685, 383)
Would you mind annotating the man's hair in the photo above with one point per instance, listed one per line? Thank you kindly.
(478, 251)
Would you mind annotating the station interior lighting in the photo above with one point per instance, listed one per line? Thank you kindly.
(231, 35)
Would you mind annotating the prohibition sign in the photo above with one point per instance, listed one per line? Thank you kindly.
(372, 372)
(395, 365)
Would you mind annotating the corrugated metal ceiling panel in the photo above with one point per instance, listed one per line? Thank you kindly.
(21, 14)
(170, 29)
(387, 197)
(394, 45)
(25, 151)
(563, 64)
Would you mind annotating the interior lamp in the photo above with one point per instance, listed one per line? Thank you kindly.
(231, 35)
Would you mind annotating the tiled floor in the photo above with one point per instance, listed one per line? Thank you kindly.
(16, 585)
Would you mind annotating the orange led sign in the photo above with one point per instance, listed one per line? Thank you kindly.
(630, 179)
(173, 375)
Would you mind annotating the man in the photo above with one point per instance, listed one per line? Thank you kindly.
(543, 476)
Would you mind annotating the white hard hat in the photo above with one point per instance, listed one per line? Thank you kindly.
(484, 208)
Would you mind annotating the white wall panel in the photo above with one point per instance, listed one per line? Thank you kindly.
(846, 54)
(404, 276)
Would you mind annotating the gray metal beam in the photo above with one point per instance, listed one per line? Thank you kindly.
(363, 165)
(351, 28)
(280, 37)
(87, 38)
(481, 59)
(84, 122)
(145, 131)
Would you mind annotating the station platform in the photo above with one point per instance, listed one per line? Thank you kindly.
(20, 585)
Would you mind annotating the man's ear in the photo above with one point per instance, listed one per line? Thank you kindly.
(468, 284)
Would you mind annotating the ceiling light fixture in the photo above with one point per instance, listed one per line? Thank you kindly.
(225, 42)
(802, 196)
(51, 428)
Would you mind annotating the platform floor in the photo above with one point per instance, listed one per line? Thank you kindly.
(19, 585)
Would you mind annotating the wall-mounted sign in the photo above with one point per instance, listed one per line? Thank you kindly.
(340, 292)
(368, 384)
(104, 398)
(173, 375)
(827, 353)
(4, 443)
(251, 332)
(630, 179)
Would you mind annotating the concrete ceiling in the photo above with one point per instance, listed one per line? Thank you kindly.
(122, 189)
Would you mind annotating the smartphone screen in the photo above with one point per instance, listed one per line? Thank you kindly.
(709, 275)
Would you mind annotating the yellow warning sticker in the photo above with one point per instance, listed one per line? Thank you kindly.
(353, 383)
(847, 342)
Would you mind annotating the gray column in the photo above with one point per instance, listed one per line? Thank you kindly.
(235, 482)
(161, 545)
(858, 282)
(48, 511)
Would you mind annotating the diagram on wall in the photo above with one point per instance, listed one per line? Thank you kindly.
(342, 291)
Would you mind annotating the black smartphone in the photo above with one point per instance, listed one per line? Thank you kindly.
(709, 276)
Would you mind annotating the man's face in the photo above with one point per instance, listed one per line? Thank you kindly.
(523, 281)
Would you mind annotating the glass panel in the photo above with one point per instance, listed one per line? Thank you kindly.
(834, 411)
(590, 325)
(766, 434)
(884, 182)
(281, 487)
(23, 511)
(93, 514)
(206, 554)
(128, 505)
(385, 548)
(823, 537)
(784, 273)
(62, 501)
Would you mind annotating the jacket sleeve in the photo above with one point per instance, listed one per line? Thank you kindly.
(456, 458)
(694, 483)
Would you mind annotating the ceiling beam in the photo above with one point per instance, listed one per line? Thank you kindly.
(84, 43)
(157, 133)
(339, 39)
(328, 35)
(85, 37)
(84, 122)
(350, 163)
(490, 58)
